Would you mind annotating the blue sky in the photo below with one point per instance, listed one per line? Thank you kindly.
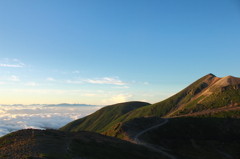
(105, 52)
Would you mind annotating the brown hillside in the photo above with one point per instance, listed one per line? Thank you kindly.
(226, 81)
(217, 93)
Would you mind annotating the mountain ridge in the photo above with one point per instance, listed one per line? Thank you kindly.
(111, 112)
(202, 121)
(201, 95)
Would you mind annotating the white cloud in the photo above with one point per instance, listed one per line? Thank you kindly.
(10, 65)
(6, 62)
(75, 72)
(66, 72)
(106, 80)
(74, 82)
(117, 98)
(14, 78)
(31, 84)
(89, 94)
(57, 91)
(148, 95)
(13, 118)
(122, 87)
(50, 79)
(40, 91)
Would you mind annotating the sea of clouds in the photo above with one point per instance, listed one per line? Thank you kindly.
(13, 118)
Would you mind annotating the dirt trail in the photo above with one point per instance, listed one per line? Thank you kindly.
(140, 133)
(160, 150)
(69, 140)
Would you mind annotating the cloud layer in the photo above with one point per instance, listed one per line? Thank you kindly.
(14, 118)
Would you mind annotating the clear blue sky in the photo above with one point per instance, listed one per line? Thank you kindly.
(104, 52)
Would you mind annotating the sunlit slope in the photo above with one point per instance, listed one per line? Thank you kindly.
(102, 117)
(174, 102)
(208, 96)
(222, 96)
(93, 123)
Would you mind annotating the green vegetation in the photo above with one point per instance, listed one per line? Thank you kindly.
(5, 142)
(102, 117)
(162, 108)
(187, 101)
(222, 114)
(191, 107)
(48, 155)
(4, 155)
(28, 157)
(8, 135)
(127, 130)
(228, 96)
(213, 132)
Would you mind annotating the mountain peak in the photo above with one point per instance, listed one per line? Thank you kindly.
(227, 80)
(210, 74)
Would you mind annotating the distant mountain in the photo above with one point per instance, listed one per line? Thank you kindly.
(66, 104)
(48, 105)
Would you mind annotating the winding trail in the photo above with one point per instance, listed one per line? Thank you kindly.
(67, 145)
(160, 150)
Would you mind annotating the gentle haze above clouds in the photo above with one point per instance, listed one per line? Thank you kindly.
(105, 52)
(13, 118)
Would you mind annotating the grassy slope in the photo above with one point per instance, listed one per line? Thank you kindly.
(53, 144)
(228, 96)
(128, 130)
(105, 118)
(102, 117)
(164, 107)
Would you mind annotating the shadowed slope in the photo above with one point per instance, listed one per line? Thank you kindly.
(187, 137)
(53, 144)
(191, 138)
